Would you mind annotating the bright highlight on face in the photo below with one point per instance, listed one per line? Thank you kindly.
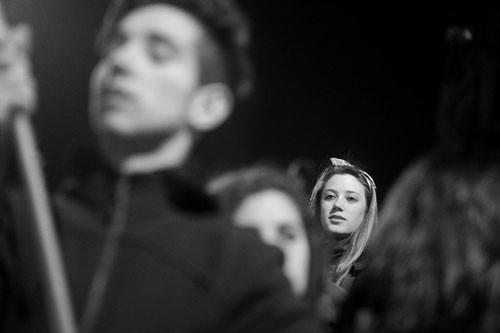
(343, 204)
(279, 223)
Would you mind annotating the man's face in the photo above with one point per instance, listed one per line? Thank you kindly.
(146, 77)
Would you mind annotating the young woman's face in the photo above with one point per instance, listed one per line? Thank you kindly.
(279, 222)
(343, 204)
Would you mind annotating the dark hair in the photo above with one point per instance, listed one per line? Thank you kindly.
(233, 187)
(8, 13)
(468, 114)
(227, 29)
(435, 260)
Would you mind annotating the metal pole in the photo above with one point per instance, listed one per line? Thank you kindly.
(61, 315)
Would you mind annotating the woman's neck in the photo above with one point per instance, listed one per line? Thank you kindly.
(337, 244)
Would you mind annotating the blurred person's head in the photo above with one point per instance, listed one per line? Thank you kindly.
(468, 113)
(435, 260)
(344, 202)
(169, 70)
(269, 201)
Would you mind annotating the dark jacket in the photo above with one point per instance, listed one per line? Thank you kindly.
(176, 269)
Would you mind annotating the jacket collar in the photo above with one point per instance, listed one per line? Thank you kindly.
(93, 181)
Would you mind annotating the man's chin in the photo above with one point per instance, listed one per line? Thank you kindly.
(128, 136)
(110, 125)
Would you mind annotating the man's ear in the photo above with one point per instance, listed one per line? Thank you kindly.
(210, 107)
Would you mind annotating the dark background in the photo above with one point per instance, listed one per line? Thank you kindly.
(353, 81)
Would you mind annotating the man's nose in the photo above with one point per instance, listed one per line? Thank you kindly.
(120, 59)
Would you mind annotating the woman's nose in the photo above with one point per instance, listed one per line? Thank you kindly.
(337, 205)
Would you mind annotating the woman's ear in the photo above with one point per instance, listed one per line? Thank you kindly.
(211, 106)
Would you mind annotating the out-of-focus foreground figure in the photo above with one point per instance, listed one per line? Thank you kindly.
(269, 201)
(142, 248)
(434, 264)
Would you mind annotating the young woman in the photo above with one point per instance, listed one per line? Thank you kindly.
(345, 203)
(271, 202)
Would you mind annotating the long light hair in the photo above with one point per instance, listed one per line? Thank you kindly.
(356, 243)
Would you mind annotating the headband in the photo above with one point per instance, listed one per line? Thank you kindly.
(337, 162)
